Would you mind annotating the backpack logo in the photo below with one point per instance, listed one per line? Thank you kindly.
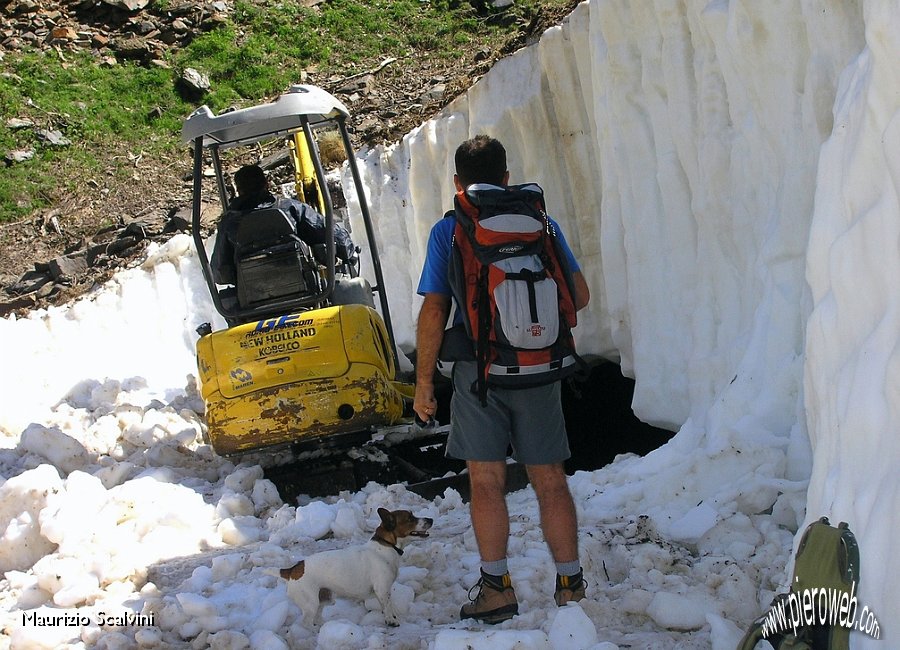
(510, 276)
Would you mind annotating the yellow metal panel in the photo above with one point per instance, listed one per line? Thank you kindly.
(271, 352)
(298, 377)
(366, 339)
(303, 411)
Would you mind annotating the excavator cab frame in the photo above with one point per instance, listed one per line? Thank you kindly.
(292, 117)
(307, 361)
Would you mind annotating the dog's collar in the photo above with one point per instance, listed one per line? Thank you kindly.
(383, 541)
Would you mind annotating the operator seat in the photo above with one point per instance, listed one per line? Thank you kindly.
(272, 263)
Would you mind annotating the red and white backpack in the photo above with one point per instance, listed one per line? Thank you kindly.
(512, 282)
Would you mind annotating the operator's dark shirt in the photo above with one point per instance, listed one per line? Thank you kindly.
(309, 224)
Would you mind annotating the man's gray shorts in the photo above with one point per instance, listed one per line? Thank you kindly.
(530, 420)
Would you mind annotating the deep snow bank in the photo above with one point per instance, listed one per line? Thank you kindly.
(852, 373)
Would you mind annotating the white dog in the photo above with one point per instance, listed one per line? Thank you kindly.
(357, 571)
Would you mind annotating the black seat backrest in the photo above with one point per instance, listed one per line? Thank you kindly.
(263, 228)
(272, 262)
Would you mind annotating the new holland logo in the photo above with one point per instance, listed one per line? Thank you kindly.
(512, 248)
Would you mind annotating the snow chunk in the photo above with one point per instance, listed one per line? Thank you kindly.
(571, 628)
(266, 640)
(724, 635)
(242, 479)
(56, 447)
(21, 500)
(195, 605)
(340, 635)
(315, 519)
(680, 611)
(694, 524)
(274, 615)
(348, 520)
(228, 640)
(239, 531)
(265, 495)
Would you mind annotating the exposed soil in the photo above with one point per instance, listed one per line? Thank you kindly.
(393, 99)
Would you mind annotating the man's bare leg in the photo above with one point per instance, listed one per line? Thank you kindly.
(557, 508)
(490, 518)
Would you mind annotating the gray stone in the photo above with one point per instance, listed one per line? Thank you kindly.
(433, 94)
(68, 266)
(15, 123)
(53, 138)
(128, 5)
(30, 281)
(19, 156)
(195, 83)
(133, 47)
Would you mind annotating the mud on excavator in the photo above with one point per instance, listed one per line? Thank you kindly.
(308, 364)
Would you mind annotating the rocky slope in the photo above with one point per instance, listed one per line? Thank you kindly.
(59, 253)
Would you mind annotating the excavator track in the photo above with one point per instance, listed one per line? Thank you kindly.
(406, 453)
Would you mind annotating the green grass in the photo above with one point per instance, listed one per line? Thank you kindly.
(266, 49)
(97, 108)
(106, 110)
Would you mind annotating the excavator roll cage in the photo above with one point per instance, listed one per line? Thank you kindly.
(294, 117)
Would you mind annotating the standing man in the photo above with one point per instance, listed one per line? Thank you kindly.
(528, 419)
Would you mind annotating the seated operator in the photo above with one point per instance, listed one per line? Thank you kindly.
(253, 194)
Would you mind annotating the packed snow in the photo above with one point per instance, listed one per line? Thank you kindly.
(728, 175)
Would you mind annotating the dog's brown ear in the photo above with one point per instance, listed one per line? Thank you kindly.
(387, 518)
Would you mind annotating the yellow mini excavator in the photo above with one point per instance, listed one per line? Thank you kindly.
(308, 361)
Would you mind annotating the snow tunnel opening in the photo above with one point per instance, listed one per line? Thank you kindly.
(599, 419)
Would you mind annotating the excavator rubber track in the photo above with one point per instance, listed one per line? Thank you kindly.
(406, 454)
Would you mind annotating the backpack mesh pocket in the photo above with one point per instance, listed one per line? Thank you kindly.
(527, 304)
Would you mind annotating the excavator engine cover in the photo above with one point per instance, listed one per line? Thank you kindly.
(297, 378)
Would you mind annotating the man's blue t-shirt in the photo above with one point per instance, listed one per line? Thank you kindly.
(437, 257)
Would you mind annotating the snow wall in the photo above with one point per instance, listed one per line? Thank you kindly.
(727, 174)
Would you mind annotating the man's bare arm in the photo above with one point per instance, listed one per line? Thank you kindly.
(429, 335)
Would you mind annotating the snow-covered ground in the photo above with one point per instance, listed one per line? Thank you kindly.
(728, 175)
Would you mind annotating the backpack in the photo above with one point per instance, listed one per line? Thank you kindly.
(827, 558)
(512, 283)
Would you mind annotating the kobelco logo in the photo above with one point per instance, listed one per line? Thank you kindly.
(511, 249)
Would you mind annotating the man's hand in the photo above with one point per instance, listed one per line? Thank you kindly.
(429, 334)
(425, 404)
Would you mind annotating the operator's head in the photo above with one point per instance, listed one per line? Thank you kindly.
(481, 159)
(249, 180)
